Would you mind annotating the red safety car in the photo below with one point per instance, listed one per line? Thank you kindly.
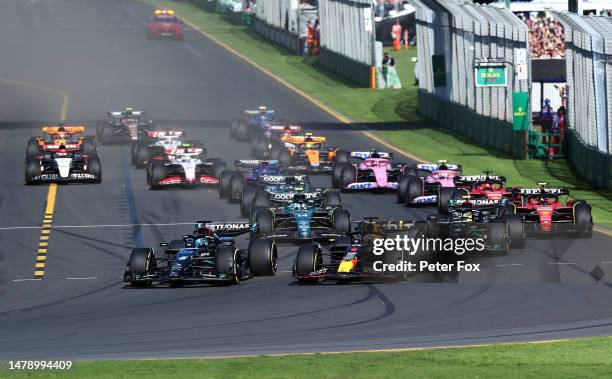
(165, 24)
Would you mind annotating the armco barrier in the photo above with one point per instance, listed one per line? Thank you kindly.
(351, 70)
(588, 162)
(292, 42)
(483, 130)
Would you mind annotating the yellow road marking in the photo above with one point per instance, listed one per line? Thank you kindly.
(39, 273)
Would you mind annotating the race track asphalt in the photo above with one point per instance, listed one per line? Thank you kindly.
(96, 53)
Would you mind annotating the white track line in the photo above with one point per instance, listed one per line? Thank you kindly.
(26, 280)
(97, 226)
(194, 51)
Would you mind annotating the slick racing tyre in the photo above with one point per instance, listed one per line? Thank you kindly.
(134, 153)
(107, 133)
(275, 150)
(332, 199)
(402, 189)
(583, 220)
(497, 235)
(141, 261)
(218, 167)
(89, 145)
(341, 220)
(242, 133)
(337, 174)
(347, 176)
(342, 156)
(32, 150)
(260, 147)
(265, 221)
(225, 184)
(444, 195)
(307, 261)
(142, 156)
(236, 186)
(263, 257)
(284, 157)
(32, 169)
(253, 214)
(415, 189)
(95, 167)
(226, 264)
(246, 201)
(158, 173)
(516, 224)
(261, 199)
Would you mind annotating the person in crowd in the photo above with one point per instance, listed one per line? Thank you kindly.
(393, 80)
(546, 37)
(385, 67)
(546, 117)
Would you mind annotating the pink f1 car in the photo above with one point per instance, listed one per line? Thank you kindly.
(428, 184)
(376, 171)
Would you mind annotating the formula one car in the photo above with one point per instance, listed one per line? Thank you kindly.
(267, 143)
(353, 258)
(428, 183)
(164, 24)
(70, 136)
(185, 165)
(375, 172)
(484, 186)
(157, 143)
(252, 122)
(300, 220)
(208, 254)
(124, 126)
(487, 219)
(306, 153)
(232, 183)
(277, 190)
(544, 213)
(63, 165)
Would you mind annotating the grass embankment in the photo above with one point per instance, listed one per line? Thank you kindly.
(391, 113)
(583, 358)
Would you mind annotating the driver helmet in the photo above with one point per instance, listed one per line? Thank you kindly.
(201, 243)
(443, 166)
(374, 154)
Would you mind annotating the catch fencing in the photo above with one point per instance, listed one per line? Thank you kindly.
(471, 59)
(348, 38)
(588, 54)
(285, 22)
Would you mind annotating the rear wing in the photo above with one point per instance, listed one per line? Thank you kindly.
(66, 129)
(479, 178)
(282, 127)
(118, 114)
(185, 150)
(226, 229)
(298, 140)
(368, 154)
(164, 133)
(477, 203)
(281, 179)
(289, 196)
(434, 166)
(390, 225)
(258, 111)
(251, 163)
(543, 191)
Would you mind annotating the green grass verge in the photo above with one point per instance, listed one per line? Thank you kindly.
(583, 358)
(391, 106)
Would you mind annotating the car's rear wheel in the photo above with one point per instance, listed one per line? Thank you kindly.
(583, 220)
(307, 262)
(341, 219)
(107, 133)
(218, 167)
(284, 157)
(32, 150)
(246, 201)
(415, 189)
(236, 186)
(402, 188)
(497, 235)
(88, 146)
(261, 199)
(225, 181)
(32, 169)
(444, 195)
(347, 176)
(143, 156)
(516, 225)
(332, 199)
(95, 167)
(265, 221)
(342, 156)
(263, 257)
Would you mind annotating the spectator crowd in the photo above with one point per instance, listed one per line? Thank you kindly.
(546, 37)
